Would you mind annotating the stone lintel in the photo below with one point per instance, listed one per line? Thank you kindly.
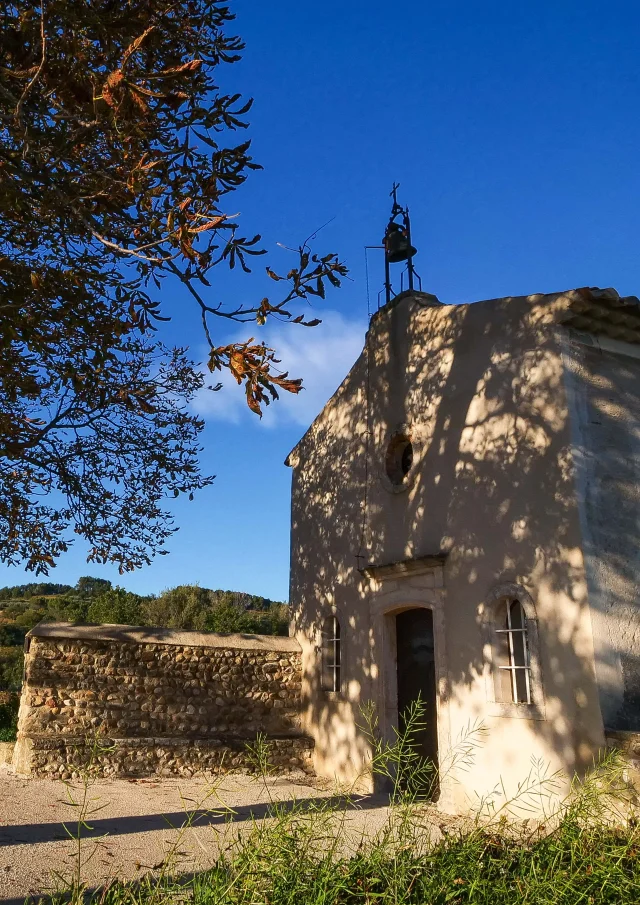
(418, 565)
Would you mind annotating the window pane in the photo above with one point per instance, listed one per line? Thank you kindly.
(502, 656)
(522, 689)
(331, 654)
(327, 649)
(517, 636)
(517, 616)
(519, 652)
(511, 659)
(505, 689)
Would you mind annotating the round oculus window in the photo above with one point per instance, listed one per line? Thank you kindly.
(399, 459)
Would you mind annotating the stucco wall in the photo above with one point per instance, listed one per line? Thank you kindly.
(327, 539)
(163, 701)
(604, 387)
(480, 390)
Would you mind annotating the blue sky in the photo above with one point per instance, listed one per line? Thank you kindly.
(514, 130)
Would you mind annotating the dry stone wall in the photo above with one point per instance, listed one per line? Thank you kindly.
(157, 701)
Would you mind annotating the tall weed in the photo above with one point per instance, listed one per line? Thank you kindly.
(584, 851)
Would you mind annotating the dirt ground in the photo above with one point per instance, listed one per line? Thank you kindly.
(138, 822)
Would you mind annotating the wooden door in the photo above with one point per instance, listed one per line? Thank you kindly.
(417, 676)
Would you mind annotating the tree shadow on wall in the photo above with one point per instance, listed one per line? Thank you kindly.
(482, 389)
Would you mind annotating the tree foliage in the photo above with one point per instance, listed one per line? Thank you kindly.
(190, 607)
(11, 660)
(33, 589)
(194, 608)
(117, 157)
(115, 606)
(88, 586)
(182, 607)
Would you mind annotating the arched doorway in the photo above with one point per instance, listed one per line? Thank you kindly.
(416, 678)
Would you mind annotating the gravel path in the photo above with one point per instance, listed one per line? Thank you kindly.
(138, 821)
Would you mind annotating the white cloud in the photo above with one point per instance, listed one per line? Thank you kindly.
(321, 355)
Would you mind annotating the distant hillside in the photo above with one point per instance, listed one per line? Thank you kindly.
(76, 601)
(95, 600)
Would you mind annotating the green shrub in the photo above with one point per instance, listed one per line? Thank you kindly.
(9, 719)
(11, 635)
(227, 616)
(116, 606)
(12, 610)
(184, 607)
(68, 608)
(11, 662)
(30, 617)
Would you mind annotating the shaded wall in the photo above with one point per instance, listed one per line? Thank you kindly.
(327, 548)
(604, 385)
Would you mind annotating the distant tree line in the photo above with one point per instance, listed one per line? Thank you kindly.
(35, 589)
(95, 600)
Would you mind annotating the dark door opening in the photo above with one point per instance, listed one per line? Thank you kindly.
(417, 679)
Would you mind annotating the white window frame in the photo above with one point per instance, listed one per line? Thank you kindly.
(332, 640)
(513, 667)
(493, 626)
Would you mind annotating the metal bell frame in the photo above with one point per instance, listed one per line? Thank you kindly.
(397, 243)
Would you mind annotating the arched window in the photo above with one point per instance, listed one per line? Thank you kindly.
(331, 654)
(512, 652)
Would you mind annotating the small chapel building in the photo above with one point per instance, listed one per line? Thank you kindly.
(465, 528)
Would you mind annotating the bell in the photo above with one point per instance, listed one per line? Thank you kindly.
(396, 244)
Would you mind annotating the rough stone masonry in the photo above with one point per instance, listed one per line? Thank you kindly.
(139, 701)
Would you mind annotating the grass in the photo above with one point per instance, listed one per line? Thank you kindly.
(586, 851)
(288, 864)
(567, 867)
